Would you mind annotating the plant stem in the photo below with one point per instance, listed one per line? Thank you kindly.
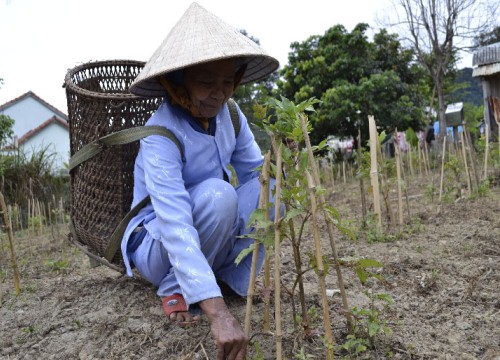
(8, 226)
(277, 252)
(263, 199)
(329, 225)
(374, 169)
(320, 268)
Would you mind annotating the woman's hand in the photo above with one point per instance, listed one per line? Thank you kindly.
(228, 334)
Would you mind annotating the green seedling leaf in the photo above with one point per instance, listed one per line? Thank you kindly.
(244, 253)
(373, 328)
(365, 263)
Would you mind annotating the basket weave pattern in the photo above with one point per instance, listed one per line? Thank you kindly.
(99, 104)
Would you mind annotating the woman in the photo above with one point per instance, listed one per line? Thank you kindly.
(185, 241)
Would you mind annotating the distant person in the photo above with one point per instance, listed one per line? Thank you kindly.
(186, 240)
(430, 137)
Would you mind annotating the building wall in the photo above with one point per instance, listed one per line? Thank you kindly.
(54, 139)
(28, 114)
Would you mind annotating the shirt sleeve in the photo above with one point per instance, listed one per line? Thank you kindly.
(173, 224)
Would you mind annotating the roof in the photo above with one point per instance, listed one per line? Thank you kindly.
(36, 97)
(38, 129)
(489, 54)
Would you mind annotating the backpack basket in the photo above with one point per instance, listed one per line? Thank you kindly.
(99, 105)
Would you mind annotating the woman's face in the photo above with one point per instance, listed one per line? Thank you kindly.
(210, 85)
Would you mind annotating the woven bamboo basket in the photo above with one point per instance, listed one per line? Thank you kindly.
(99, 104)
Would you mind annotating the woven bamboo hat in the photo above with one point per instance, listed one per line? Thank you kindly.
(198, 37)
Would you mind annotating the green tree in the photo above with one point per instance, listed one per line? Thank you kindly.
(249, 95)
(487, 38)
(6, 132)
(354, 78)
(6, 124)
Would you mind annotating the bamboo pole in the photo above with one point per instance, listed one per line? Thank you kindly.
(320, 268)
(465, 163)
(426, 159)
(472, 156)
(386, 189)
(329, 225)
(263, 201)
(374, 168)
(410, 160)
(10, 235)
(277, 252)
(486, 148)
(442, 169)
(420, 160)
(361, 181)
(343, 171)
(398, 175)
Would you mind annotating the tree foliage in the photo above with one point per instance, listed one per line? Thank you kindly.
(353, 77)
(487, 38)
(248, 95)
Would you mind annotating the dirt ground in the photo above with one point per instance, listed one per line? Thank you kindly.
(442, 271)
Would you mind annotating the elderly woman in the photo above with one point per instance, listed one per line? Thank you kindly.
(186, 239)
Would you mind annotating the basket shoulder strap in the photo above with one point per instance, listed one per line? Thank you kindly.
(121, 137)
(116, 238)
(235, 118)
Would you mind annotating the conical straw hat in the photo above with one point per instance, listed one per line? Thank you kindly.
(198, 37)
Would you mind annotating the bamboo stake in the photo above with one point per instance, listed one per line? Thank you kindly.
(426, 159)
(487, 146)
(29, 214)
(374, 168)
(361, 181)
(8, 227)
(410, 160)
(386, 190)
(263, 201)
(398, 175)
(329, 226)
(465, 163)
(442, 169)
(472, 156)
(277, 252)
(420, 161)
(39, 212)
(343, 171)
(320, 268)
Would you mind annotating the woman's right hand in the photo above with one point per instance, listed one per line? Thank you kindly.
(228, 334)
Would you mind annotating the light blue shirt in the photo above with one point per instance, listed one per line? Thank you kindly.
(161, 173)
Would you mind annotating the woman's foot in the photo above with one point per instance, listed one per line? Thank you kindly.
(176, 309)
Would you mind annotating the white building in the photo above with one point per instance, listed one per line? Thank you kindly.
(38, 126)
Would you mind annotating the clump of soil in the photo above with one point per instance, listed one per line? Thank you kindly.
(442, 271)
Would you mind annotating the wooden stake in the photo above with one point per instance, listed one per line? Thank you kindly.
(410, 160)
(472, 156)
(263, 201)
(277, 252)
(420, 161)
(442, 169)
(10, 235)
(320, 268)
(343, 171)
(329, 225)
(465, 163)
(398, 175)
(361, 181)
(374, 168)
(486, 148)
